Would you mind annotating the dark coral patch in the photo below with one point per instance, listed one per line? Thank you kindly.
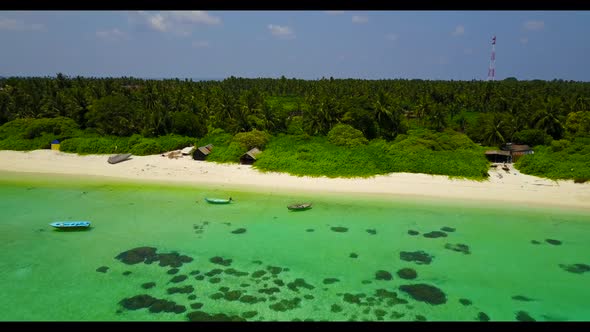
(407, 273)
(366, 282)
(372, 231)
(213, 272)
(419, 257)
(420, 318)
(391, 297)
(148, 285)
(126, 273)
(435, 234)
(137, 255)
(329, 281)
(239, 231)
(575, 268)
(335, 308)
(465, 302)
(201, 316)
(458, 247)
(309, 230)
(535, 242)
(215, 280)
(196, 305)
(274, 269)
(102, 269)
(413, 232)
(269, 291)
(138, 302)
(200, 277)
(249, 314)
(523, 316)
(448, 229)
(216, 296)
(285, 305)
(425, 293)
(173, 271)
(182, 290)
(179, 278)
(383, 275)
(522, 298)
(195, 272)
(299, 283)
(278, 282)
(308, 297)
(339, 229)
(192, 297)
(353, 298)
(353, 255)
(483, 317)
(553, 242)
(258, 274)
(220, 261)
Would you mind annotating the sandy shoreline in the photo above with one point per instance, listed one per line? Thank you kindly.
(512, 187)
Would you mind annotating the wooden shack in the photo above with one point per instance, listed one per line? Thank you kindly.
(249, 157)
(202, 152)
(496, 156)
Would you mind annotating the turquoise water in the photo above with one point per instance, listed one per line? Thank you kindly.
(48, 275)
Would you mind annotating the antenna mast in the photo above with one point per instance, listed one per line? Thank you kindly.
(492, 69)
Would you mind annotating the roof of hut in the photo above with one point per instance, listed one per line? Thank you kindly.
(497, 152)
(204, 150)
(253, 153)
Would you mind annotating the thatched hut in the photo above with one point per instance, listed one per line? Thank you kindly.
(249, 157)
(496, 156)
(202, 152)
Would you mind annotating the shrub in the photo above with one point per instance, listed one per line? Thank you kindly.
(346, 135)
(532, 137)
(252, 139)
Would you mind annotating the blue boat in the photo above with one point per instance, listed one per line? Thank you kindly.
(70, 224)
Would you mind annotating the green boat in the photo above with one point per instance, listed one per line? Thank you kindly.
(218, 200)
(299, 207)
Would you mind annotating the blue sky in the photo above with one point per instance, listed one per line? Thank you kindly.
(303, 44)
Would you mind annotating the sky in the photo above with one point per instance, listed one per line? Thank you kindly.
(434, 45)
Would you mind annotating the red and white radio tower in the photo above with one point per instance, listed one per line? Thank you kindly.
(492, 69)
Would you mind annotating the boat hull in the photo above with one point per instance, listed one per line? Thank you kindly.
(70, 224)
(217, 201)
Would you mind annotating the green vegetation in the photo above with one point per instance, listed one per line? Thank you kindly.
(425, 151)
(327, 127)
(561, 160)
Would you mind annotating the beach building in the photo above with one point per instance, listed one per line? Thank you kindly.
(497, 156)
(55, 145)
(202, 152)
(517, 150)
(249, 157)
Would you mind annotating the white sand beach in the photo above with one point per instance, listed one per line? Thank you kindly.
(502, 186)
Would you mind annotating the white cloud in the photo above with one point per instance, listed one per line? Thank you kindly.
(334, 12)
(459, 30)
(195, 16)
(468, 51)
(200, 44)
(179, 22)
(360, 19)
(524, 40)
(112, 34)
(19, 25)
(392, 37)
(534, 25)
(281, 31)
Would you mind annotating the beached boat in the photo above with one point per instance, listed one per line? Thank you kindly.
(218, 200)
(119, 158)
(70, 224)
(299, 206)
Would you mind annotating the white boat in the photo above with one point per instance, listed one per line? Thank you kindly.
(70, 224)
(218, 200)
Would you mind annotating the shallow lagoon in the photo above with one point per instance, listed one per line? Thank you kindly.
(338, 261)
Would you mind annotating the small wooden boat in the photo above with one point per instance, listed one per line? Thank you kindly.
(299, 206)
(119, 158)
(218, 200)
(70, 224)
